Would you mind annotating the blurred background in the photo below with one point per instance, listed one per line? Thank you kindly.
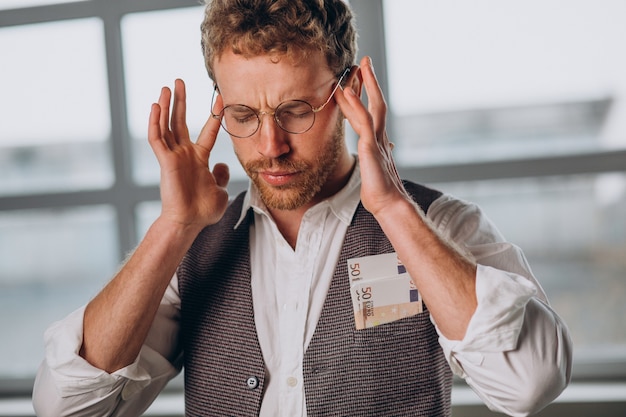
(519, 106)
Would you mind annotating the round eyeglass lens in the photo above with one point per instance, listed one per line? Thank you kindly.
(295, 116)
(239, 120)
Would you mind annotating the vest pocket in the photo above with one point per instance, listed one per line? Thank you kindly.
(406, 327)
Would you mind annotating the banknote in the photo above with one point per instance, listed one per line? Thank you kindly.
(381, 290)
(376, 266)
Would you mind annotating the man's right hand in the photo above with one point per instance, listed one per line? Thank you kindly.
(192, 196)
(117, 321)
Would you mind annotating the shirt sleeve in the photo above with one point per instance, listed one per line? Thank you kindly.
(68, 385)
(516, 353)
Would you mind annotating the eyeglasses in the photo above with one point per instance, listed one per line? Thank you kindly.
(293, 116)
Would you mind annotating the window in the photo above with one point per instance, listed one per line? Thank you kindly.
(55, 138)
(516, 106)
(57, 123)
(15, 4)
(53, 261)
(519, 107)
(146, 72)
(500, 81)
(72, 203)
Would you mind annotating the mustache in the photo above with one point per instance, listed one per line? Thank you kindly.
(282, 163)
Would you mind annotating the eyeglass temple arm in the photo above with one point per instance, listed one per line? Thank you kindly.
(339, 82)
(215, 90)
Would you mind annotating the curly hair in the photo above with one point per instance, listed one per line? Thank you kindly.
(293, 28)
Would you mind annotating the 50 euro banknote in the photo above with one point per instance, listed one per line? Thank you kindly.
(381, 290)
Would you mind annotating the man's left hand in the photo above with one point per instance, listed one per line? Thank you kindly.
(381, 185)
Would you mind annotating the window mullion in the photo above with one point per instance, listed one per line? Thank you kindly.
(124, 189)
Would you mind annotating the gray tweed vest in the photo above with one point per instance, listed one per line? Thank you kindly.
(395, 369)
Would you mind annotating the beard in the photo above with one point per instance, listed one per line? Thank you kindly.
(312, 175)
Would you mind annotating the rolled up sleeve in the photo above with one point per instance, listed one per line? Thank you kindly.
(516, 353)
(68, 385)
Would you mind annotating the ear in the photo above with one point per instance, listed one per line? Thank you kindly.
(355, 80)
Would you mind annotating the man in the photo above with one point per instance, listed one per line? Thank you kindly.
(267, 309)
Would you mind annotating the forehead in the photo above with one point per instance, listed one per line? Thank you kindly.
(269, 79)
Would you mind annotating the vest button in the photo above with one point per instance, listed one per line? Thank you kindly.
(252, 382)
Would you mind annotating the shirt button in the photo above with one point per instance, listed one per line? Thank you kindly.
(292, 382)
(252, 382)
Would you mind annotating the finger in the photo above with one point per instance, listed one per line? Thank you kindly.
(356, 113)
(164, 120)
(363, 123)
(376, 101)
(155, 138)
(179, 113)
(221, 173)
(208, 134)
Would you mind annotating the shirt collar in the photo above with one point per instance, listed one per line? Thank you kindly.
(342, 205)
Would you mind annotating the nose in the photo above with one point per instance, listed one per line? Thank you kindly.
(272, 141)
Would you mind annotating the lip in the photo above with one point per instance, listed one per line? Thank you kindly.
(277, 178)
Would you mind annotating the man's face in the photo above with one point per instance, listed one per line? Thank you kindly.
(289, 170)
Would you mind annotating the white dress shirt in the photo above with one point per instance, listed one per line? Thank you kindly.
(516, 353)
